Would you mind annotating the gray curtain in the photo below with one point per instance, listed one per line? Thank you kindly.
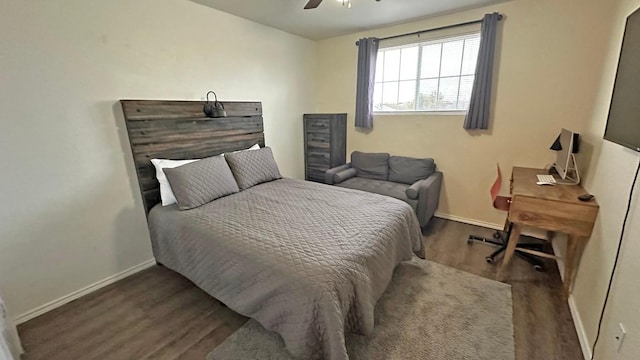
(478, 114)
(367, 53)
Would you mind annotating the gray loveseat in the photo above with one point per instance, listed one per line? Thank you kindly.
(412, 180)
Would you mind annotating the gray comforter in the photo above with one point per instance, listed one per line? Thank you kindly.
(306, 260)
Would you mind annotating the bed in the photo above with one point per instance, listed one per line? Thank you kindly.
(306, 260)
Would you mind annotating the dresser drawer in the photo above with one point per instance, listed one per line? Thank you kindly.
(318, 140)
(315, 175)
(318, 147)
(318, 159)
(318, 126)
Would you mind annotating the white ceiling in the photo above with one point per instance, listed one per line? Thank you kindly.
(331, 18)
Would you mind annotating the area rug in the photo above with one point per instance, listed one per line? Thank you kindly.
(429, 311)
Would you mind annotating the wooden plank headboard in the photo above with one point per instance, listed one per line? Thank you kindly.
(179, 130)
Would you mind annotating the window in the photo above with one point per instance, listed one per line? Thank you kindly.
(435, 75)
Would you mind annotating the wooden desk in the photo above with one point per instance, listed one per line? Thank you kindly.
(553, 208)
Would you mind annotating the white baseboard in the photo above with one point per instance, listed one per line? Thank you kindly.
(81, 292)
(577, 320)
(582, 334)
(469, 221)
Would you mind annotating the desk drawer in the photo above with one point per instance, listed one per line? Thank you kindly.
(553, 215)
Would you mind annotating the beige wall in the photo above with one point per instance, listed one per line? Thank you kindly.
(548, 69)
(71, 213)
(612, 168)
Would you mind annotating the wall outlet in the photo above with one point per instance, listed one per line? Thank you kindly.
(619, 337)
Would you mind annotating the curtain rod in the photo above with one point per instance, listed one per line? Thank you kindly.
(434, 29)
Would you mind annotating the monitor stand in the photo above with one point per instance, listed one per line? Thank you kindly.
(573, 175)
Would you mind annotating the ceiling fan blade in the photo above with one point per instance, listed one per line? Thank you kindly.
(312, 4)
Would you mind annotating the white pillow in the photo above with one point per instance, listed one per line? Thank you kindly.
(166, 194)
(254, 147)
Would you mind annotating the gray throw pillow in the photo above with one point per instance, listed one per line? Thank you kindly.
(200, 182)
(253, 167)
(371, 165)
(408, 170)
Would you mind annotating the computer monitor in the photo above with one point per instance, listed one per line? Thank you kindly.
(565, 160)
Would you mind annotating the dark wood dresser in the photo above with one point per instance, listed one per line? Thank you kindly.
(325, 144)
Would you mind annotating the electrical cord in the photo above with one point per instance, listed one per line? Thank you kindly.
(615, 262)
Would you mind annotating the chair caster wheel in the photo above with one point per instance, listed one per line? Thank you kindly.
(470, 241)
(538, 268)
(489, 259)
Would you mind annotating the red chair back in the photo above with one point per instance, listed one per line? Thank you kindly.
(499, 202)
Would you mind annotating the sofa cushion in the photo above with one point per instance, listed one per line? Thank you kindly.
(381, 187)
(371, 165)
(408, 170)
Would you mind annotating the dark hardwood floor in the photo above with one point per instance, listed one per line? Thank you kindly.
(542, 321)
(158, 314)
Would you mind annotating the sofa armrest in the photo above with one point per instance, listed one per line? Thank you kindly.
(329, 174)
(430, 184)
(427, 192)
(344, 175)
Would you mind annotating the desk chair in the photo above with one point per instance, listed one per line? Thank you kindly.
(501, 238)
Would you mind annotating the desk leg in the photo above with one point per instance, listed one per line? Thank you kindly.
(506, 225)
(575, 246)
(511, 246)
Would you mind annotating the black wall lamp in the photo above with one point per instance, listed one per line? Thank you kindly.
(214, 109)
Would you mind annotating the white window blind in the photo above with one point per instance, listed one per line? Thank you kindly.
(434, 75)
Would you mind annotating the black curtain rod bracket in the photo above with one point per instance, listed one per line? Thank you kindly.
(434, 29)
